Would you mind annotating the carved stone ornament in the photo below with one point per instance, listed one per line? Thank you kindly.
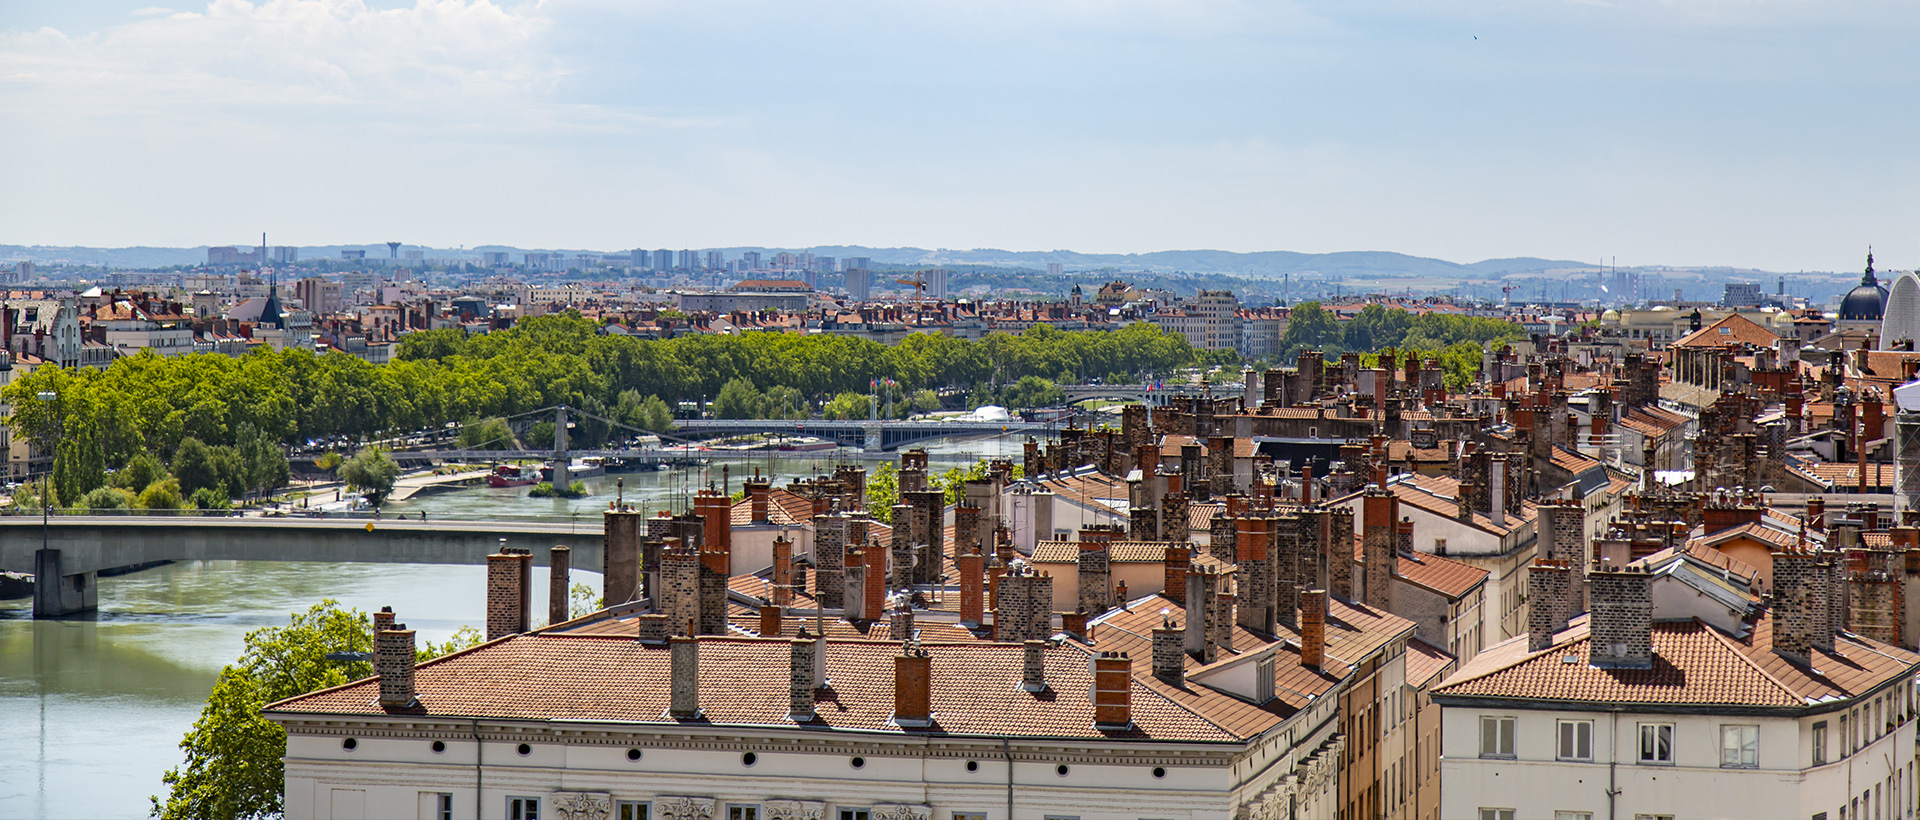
(900, 811)
(582, 805)
(793, 810)
(683, 808)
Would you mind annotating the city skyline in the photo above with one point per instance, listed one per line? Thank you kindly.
(1751, 134)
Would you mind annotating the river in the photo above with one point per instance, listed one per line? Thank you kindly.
(94, 708)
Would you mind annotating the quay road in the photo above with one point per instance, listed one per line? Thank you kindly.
(78, 547)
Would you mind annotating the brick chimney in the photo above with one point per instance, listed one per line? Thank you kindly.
(393, 660)
(1379, 509)
(1497, 490)
(1621, 625)
(782, 570)
(1075, 624)
(1254, 566)
(684, 685)
(900, 623)
(1802, 617)
(559, 584)
(759, 492)
(1169, 653)
(971, 567)
(1816, 512)
(1033, 666)
(913, 687)
(1179, 561)
(807, 651)
(679, 593)
(1337, 552)
(620, 556)
(1549, 591)
(716, 531)
(509, 592)
(1095, 575)
(653, 628)
(1203, 602)
(1112, 691)
(1313, 628)
(770, 620)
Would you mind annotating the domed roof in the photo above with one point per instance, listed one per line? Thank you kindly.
(1610, 315)
(1867, 302)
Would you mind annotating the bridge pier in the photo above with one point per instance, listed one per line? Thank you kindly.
(57, 594)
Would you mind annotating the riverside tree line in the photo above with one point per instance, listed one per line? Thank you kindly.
(215, 426)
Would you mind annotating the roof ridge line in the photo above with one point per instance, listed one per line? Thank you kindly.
(1728, 644)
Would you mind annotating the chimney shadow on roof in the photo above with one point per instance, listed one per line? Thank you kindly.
(1662, 671)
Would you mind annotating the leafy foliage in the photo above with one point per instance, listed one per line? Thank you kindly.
(371, 471)
(233, 768)
(462, 638)
(883, 491)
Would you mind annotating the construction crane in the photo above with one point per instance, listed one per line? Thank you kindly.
(919, 283)
(1506, 296)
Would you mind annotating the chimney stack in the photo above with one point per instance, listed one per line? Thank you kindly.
(1622, 620)
(620, 557)
(1379, 509)
(782, 570)
(971, 567)
(685, 684)
(913, 687)
(1549, 590)
(1033, 666)
(509, 592)
(1497, 490)
(1169, 653)
(1112, 691)
(1179, 561)
(801, 680)
(1313, 628)
(770, 620)
(759, 490)
(1203, 613)
(393, 660)
(559, 584)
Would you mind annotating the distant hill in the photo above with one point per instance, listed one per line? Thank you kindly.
(1342, 265)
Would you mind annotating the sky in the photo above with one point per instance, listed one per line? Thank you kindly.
(1777, 134)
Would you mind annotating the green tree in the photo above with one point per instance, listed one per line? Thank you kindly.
(233, 768)
(142, 470)
(739, 399)
(582, 600)
(539, 435)
(925, 401)
(163, 494)
(372, 472)
(491, 434)
(883, 491)
(462, 638)
(104, 499)
(1033, 391)
(1309, 325)
(849, 407)
(207, 498)
(194, 464)
(328, 461)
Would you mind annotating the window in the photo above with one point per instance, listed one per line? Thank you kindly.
(1843, 736)
(853, 814)
(523, 808)
(436, 806)
(739, 812)
(1496, 737)
(1656, 743)
(632, 810)
(969, 815)
(1820, 743)
(1739, 745)
(1496, 814)
(1573, 815)
(1576, 739)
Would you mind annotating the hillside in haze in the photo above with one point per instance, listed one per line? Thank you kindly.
(1346, 264)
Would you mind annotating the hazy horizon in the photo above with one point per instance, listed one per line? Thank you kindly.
(1767, 134)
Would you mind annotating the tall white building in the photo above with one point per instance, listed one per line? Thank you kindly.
(859, 284)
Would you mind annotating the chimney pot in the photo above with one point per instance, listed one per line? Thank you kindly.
(393, 661)
(770, 617)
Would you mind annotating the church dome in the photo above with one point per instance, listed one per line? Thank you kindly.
(1866, 303)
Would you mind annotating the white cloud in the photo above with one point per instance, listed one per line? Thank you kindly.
(283, 53)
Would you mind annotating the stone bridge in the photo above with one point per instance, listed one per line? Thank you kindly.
(874, 436)
(1156, 397)
(77, 548)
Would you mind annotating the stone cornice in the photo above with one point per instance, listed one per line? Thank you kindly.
(767, 740)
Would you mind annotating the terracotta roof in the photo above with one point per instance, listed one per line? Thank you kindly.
(1425, 663)
(1733, 329)
(744, 682)
(1436, 495)
(1443, 575)
(1068, 552)
(1694, 664)
(1200, 516)
(1846, 476)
